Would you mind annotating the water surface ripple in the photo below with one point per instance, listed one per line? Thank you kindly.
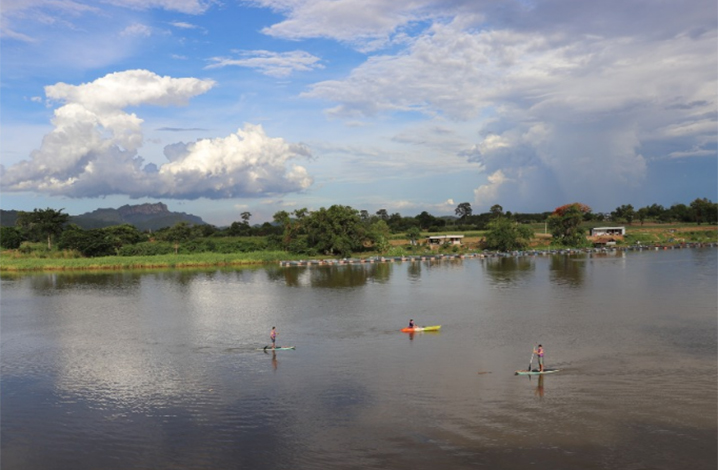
(161, 370)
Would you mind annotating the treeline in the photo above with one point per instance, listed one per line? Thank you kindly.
(338, 230)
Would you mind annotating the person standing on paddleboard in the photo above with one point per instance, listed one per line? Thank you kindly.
(539, 353)
(273, 337)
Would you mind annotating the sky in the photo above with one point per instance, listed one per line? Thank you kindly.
(219, 107)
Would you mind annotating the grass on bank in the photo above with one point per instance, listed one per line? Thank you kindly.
(9, 262)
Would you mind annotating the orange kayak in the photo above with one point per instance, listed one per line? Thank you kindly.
(421, 328)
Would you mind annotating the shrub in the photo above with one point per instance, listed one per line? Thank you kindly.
(147, 249)
(10, 238)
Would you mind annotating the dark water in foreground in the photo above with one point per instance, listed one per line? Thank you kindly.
(159, 370)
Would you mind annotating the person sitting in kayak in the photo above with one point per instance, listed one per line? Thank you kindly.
(539, 353)
(411, 323)
(273, 336)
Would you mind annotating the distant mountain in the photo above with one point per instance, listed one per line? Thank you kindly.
(143, 216)
(8, 218)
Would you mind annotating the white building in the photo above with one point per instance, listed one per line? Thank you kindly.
(602, 231)
(438, 240)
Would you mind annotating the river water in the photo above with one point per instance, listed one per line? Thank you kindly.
(160, 370)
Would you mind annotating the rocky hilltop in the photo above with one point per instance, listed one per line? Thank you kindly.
(143, 209)
(143, 216)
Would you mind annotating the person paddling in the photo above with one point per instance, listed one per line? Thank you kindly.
(273, 337)
(539, 353)
(411, 323)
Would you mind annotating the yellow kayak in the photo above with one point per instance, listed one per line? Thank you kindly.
(421, 328)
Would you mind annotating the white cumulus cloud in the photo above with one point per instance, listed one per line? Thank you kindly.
(247, 163)
(93, 148)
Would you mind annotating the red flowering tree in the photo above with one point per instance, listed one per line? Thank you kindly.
(565, 225)
(576, 206)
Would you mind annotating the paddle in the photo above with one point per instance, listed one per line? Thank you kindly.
(532, 359)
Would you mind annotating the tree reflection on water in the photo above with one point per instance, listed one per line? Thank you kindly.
(567, 270)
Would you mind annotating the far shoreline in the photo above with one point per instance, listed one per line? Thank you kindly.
(19, 265)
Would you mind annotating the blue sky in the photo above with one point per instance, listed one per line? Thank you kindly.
(220, 107)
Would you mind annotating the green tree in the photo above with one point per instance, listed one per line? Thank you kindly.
(283, 219)
(203, 230)
(178, 233)
(680, 213)
(656, 212)
(402, 224)
(427, 221)
(463, 210)
(10, 238)
(394, 222)
(642, 214)
(496, 210)
(268, 229)
(506, 235)
(292, 228)
(703, 210)
(125, 234)
(379, 234)
(624, 212)
(90, 243)
(413, 234)
(383, 214)
(300, 214)
(43, 222)
(565, 225)
(337, 230)
(237, 229)
(629, 214)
